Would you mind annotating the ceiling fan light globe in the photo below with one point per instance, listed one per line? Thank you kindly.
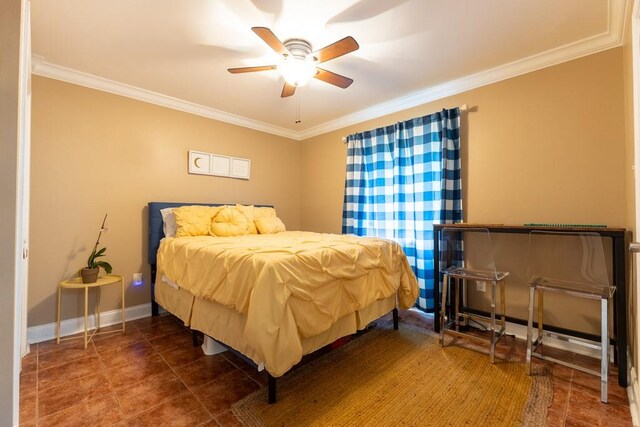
(297, 71)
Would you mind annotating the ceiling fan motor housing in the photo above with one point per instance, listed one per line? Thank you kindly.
(299, 48)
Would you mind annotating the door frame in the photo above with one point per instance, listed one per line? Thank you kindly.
(635, 48)
(20, 346)
(24, 177)
(633, 391)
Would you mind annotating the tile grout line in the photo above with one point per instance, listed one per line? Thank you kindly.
(214, 418)
(126, 419)
(235, 366)
(566, 405)
(106, 374)
(52, 367)
(173, 371)
(247, 375)
(189, 389)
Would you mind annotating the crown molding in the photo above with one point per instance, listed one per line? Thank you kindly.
(613, 37)
(43, 68)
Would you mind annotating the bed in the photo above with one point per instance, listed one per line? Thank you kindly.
(274, 298)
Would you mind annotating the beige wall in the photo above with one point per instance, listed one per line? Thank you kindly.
(547, 146)
(10, 16)
(95, 153)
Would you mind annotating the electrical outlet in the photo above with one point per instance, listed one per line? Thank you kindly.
(481, 286)
(137, 279)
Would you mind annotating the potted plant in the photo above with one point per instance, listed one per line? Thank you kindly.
(90, 272)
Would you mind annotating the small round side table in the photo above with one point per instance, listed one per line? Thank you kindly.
(76, 283)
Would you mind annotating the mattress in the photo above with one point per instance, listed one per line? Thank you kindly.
(288, 287)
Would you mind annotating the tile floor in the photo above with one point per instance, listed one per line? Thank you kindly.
(152, 375)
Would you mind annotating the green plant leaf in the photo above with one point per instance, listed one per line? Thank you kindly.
(105, 265)
(91, 262)
(91, 258)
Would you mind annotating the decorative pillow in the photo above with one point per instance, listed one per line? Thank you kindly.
(194, 220)
(229, 222)
(247, 211)
(169, 225)
(259, 213)
(270, 225)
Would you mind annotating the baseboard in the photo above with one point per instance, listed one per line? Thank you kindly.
(47, 332)
(520, 332)
(633, 393)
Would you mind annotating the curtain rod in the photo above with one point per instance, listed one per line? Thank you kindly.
(463, 107)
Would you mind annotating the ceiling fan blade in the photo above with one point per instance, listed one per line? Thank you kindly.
(333, 78)
(269, 38)
(287, 90)
(251, 69)
(334, 50)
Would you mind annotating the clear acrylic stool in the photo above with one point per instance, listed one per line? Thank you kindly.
(482, 270)
(573, 264)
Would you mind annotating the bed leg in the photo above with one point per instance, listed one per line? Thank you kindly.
(194, 337)
(271, 389)
(154, 308)
(395, 319)
(154, 304)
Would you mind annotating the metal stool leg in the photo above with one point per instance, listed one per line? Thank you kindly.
(465, 284)
(604, 363)
(540, 316)
(532, 296)
(492, 348)
(443, 308)
(456, 306)
(503, 306)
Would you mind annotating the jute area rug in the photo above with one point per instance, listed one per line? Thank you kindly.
(402, 378)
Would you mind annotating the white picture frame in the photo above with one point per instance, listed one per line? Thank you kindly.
(199, 163)
(240, 168)
(220, 165)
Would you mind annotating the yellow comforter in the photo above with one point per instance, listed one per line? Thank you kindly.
(289, 285)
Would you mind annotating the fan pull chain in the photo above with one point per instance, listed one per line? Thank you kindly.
(298, 120)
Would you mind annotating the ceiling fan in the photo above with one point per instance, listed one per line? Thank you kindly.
(298, 64)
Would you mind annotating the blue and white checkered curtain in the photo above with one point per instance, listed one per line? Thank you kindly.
(400, 180)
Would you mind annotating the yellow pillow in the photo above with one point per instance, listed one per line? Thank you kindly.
(270, 225)
(247, 211)
(259, 213)
(229, 222)
(194, 220)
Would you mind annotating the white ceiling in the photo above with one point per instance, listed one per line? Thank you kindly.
(176, 52)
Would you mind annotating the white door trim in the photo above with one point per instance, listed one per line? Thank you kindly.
(634, 388)
(22, 205)
(24, 180)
